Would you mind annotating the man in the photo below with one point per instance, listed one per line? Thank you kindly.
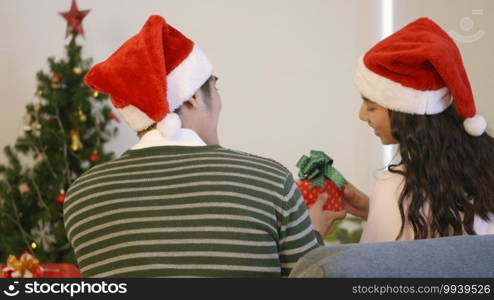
(178, 204)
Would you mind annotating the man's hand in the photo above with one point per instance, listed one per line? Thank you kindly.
(323, 220)
(355, 201)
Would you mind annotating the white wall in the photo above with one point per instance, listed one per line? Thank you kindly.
(285, 66)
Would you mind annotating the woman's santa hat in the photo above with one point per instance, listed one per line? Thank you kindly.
(417, 70)
(151, 75)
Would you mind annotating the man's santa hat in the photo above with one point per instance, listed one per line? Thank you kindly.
(151, 75)
(418, 70)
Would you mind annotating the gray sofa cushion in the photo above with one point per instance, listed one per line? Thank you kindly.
(458, 256)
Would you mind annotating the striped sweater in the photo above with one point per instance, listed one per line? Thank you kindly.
(187, 212)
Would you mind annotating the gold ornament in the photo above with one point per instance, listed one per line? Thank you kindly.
(95, 94)
(34, 245)
(56, 85)
(75, 139)
(39, 92)
(77, 70)
(36, 125)
(28, 119)
(82, 116)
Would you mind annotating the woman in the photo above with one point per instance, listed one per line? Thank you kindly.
(416, 94)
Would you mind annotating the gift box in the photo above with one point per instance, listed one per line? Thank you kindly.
(28, 266)
(60, 270)
(316, 176)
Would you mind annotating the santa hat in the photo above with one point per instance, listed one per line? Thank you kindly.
(417, 70)
(151, 75)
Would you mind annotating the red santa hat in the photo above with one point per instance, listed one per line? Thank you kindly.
(151, 75)
(418, 70)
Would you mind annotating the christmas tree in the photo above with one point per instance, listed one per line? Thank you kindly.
(65, 131)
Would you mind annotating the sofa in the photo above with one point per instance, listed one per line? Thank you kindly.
(457, 256)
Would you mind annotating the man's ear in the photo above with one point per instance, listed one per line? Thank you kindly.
(192, 103)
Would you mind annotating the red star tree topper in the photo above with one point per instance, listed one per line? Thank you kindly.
(74, 19)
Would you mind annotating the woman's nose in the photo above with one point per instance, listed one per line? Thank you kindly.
(363, 112)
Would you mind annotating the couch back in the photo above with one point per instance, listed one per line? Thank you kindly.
(458, 256)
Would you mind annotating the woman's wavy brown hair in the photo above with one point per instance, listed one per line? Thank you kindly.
(446, 167)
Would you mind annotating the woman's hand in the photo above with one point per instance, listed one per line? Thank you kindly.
(354, 201)
(323, 220)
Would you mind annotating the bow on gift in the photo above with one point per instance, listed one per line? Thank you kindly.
(25, 267)
(317, 168)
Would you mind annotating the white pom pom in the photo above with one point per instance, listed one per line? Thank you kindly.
(475, 126)
(169, 127)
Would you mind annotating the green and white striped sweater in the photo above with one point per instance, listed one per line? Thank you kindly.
(187, 211)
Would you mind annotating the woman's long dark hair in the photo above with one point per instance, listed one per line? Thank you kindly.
(447, 168)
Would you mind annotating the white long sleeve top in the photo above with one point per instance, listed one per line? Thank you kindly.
(384, 220)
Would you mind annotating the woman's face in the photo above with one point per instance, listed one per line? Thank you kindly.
(377, 117)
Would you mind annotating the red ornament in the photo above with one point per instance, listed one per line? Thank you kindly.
(74, 19)
(310, 195)
(61, 197)
(94, 156)
(56, 77)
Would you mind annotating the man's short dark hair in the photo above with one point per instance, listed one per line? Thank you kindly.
(206, 89)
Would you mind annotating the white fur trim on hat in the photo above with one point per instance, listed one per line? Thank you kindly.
(187, 77)
(395, 96)
(170, 126)
(475, 125)
(136, 118)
